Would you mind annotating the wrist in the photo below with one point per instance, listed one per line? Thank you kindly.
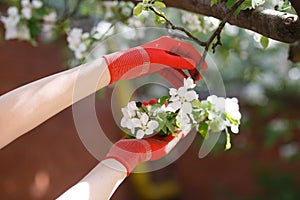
(115, 165)
(130, 152)
(127, 64)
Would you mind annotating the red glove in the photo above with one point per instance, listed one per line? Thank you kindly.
(155, 56)
(131, 152)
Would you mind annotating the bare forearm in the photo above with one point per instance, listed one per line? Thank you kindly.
(99, 184)
(26, 107)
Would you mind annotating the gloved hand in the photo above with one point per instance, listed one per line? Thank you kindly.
(131, 152)
(156, 56)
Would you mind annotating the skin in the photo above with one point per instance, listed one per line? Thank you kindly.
(34, 103)
(28, 106)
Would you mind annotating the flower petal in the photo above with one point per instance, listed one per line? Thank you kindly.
(173, 91)
(182, 91)
(148, 131)
(124, 122)
(144, 119)
(188, 83)
(152, 124)
(186, 107)
(140, 134)
(136, 122)
(132, 106)
(191, 95)
(174, 105)
(235, 128)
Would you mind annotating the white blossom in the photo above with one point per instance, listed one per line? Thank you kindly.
(144, 125)
(181, 98)
(129, 112)
(135, 22)
(26, 12)
(37, 4)
(27, 7)
(138, 123)
(49, 24)
(227, 106)
(51, 17)
(185, 122)
(14, 29)
(192, 21)
(78, 42)
(182, 112)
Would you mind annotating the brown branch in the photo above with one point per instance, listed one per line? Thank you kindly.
(216, 33)
(273, 24)
(174, 27)
(296, 6)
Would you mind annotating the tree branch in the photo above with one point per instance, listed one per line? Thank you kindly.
(296, 6)
(277, 25)
(216, 33)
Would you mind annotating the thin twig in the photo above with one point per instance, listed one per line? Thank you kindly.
(174, 27)
(217, 32)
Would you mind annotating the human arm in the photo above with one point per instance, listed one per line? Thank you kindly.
(28, 106)
(99, 184)
(104, 179)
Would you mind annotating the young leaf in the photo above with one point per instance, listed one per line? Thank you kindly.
(138, 10)
(231, 119)
(228, 144)
(159, 4)
(212, 2)
(170, 126)
(264, 41)
(203, 129)
(163, 99)
(196, 103)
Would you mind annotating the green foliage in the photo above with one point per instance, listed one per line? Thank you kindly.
(264, 41)
(203, 129)
(138, 9)
(212, 2)
(154, 4)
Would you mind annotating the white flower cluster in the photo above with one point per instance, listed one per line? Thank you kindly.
(224, 112)
(79, 42)
(192, 21)
(181, 111)
(138, 122)
(199, 23)
(15, 29)
(181, 101)
(16, 21)
(49, 20)
(27, 7)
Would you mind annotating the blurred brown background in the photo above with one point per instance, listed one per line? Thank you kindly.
(49, 159)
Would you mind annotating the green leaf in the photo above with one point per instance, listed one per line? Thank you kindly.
(228, 143)
(230, 3)
(196, 103)
(159, 4)
(158, 19)
(231, 119)
(34, 28)
(264, 41)
(170, 126)
(203, 129)
(163, 99)
(212, 2)
(138, 10)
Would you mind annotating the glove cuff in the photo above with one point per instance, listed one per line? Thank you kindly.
(130, 153)
(127, 64)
